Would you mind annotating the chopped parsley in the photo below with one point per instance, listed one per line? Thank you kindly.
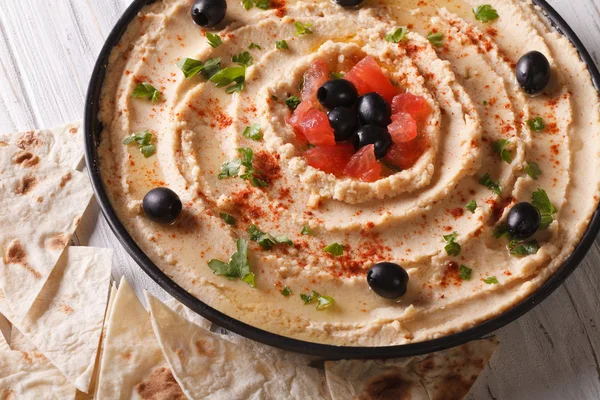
(336, 75)
(146, 90)
(492, 280)
(471, 206)
(244, 59)
(465, 273)
(335, 249)
(452, 248)
(501, 231)
(253, 45)
(266, 240)
(533, 170)
(436, 39)
(306, 230)
(485, 13)
(525, 249)
(397, 36)
(274, 98)
(541, 201)
(213, 39)
(237, 267)
(292, 102)
(500, 147)
(491, 184)
(281, 45)
(260, 4)
(229, 75)
(537, 124)
(229, 220)
(190, 67)
(253, 132)
(286, 291)
(143, 141)
(323, 302)
(303, 29)
(232, 168)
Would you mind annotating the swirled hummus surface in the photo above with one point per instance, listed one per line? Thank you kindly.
(407, 216)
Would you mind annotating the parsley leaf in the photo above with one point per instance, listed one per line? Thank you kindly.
(146, 90)
(292, 102)
(465, 273)
(436, 39)
(266, 240)
(248, 4)
(541, 201)
(396, 36)
(306, 230)
(214, 40)
(253, 45)
(230, 168)
(501, 231)
(537, 124)
(230, 75)
(253, 132)
(303, 29)
(190, 67)
(485, 13)
(286, 291)
(533, 170)
(323, 302)
(499, 147)
(281, 44)
(524, 249)
(244, 59)
(336, 75)
(211, 67)
(488, 182)
(143, 141)
(335, 249)
(261, 4)
(471, 206)
(307, 298)
(238, 266)
(452, 248)
(492, 280)
(229, 220)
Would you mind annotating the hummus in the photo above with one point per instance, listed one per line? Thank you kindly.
(407, 217)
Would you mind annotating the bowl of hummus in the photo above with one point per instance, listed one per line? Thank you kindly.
(349, 178)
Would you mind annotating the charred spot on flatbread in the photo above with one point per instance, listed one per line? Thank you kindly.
(56, 242)
(387, 387)
(29, 140)
(65, 178)
(160, 385)
(205, 348)
(26, 184)
(26, 159)
(453, 387)
(15, 254)
(73, 130)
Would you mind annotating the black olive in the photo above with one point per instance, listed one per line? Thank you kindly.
(209, 12)
(337, 93)
(523, 221)
(533, 72)
(388, 280)
(344, 122)
(373, 134)
(162, 205)
(374, 110)
(347, 3)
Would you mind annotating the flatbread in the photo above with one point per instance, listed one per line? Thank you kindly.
(66, 320)
(63, 144)
(41, 204)
(3, 341)
(207, 365)
(132, 365)
(19, 342)
(5, 329)
(445, 375)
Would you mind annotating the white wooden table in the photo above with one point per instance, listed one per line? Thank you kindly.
(47, 52)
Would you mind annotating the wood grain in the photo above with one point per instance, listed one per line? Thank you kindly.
(47, 52)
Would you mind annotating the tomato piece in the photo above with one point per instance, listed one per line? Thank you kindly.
(405, 155)
(314, 126)
(330, 159)
(416, 106)
(294, 119)
(403, 128)
(314, 77)
(363, 165)
(368, 77)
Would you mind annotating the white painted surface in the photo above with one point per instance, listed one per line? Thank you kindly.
(47, 52)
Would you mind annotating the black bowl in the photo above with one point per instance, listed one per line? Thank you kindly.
(93, 129)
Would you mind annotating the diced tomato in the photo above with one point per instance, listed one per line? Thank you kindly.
(416, 106)
(314, 126)
(314, 77)
(363, 165)
(298, 115)
(405, 155)
(368, 77)
(331, 159)
(403, 128)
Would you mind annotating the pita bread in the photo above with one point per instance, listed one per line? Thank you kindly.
(3, 341)
(63, 144)
(132, 365)
(445, 375)
(41, 204)
(207, 365)
(65, 322)
(5, 328)
(19, 342)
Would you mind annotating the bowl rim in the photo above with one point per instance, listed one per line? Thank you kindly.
(93, 127)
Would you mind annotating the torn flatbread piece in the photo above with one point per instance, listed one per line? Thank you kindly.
(65, 322)
(132, 364)
(19, 342)
(3, 342)
(208, 366)
(41, 204)
(63, 144)
(445, 375)
(5, 328)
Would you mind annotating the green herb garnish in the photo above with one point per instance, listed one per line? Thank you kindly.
(213, 39)
(253, 45)
(323, 302)
(492, 280)
(436, 39)
(306, 230)
(266, 240)
(226, 76)
(286, 291)
(292, 102)
(465, 273)
(143, 141)
(229, 220)
(533, 170)
(471, 206)
(452, 248)
(244, 59)
(397, 36)
(541, 201)
(146, 90)
(501, 231)
(237, 267)
(335, 249)
(499, 147)
(253, 132)
(485, 13)
(488, 182)
(303, 29)
(524, 249)
(281, 44)
(190, 67)
(537, 124)
(336, 75)
(232, 168)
